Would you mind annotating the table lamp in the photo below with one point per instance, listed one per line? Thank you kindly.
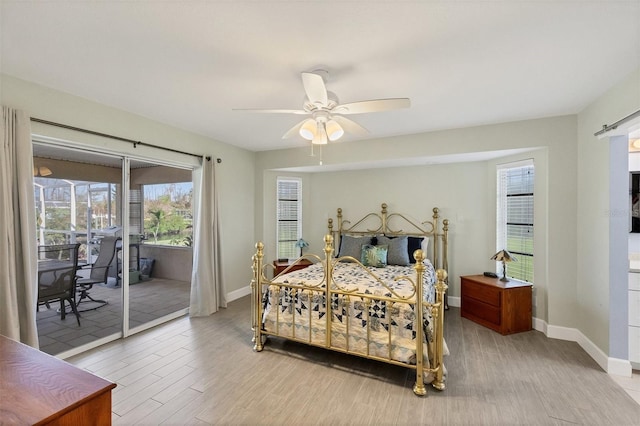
(504, 256)
(301, 244)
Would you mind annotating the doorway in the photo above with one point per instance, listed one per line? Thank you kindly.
(79, 197)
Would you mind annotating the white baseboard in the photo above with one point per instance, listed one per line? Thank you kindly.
(453, 301)
(620, 367)
(237, 294)
(540, 325)
(575, 335)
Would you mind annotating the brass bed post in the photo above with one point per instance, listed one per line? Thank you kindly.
(256, 285)
(419, 388)
(383, 217)
(328, 250)
(435, 237)
(441, 288)
(445, 257)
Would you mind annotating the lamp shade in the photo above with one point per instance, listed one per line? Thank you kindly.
(504, 256)
(334, 130)
(308, 129)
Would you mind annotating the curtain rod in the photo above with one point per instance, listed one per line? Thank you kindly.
(609, 127)
(106, 135)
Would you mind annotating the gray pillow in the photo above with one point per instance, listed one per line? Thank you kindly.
(352, 246)
(398, 253)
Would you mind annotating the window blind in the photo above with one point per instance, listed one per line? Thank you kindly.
(289, 216)
(515, 196)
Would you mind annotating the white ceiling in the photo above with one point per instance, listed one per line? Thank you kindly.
(188, 63)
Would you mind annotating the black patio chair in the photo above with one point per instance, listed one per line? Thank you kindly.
(99, 272)
(57, 267)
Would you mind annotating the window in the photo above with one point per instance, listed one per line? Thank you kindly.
(167, 213)
(289, 216)
(515, 217)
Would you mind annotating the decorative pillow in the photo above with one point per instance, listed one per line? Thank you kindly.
(415, 243)
(398, 251)
(351, 246)
(375, 256)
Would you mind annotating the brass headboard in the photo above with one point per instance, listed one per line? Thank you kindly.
(397, 224)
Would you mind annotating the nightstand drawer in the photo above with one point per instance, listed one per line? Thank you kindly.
(482, 311)
(503, 306)
(488, 295)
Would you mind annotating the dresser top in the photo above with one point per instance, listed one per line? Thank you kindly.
(496, 281)
(37, 387)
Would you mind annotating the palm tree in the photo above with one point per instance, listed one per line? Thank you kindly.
(157, 218)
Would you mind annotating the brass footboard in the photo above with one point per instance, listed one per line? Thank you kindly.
(329, 288)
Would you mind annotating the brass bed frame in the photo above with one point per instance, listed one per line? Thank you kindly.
(382, 224)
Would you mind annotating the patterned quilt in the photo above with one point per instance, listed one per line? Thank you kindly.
(360, 322)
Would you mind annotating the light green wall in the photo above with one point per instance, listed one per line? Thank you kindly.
(594, 218)
(235, 174)
(465, 193)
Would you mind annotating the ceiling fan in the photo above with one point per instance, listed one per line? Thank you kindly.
(327, 121)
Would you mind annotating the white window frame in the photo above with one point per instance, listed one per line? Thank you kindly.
(283, 248)
(523, 269)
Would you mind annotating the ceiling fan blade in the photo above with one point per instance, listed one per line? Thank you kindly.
(314, 88)
(295, 130)
(273, 111)
(350, 126)
(374, 105)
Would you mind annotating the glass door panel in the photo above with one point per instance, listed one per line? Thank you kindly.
(77, 197)
(160, 235)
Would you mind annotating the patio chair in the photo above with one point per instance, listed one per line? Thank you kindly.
(57, 267)
(99, 272)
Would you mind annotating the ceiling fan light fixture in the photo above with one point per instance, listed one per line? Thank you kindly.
(327, 121)
(41, 171)
(309, 129)
(334, 130)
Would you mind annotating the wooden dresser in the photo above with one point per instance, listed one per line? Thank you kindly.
(501, 306)
(281, 265)
(39, 389)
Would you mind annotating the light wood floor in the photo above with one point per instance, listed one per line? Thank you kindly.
(203, 371)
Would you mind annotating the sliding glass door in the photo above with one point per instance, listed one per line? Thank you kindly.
(145, 278)
(160, 252)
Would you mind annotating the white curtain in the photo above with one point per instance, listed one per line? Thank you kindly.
(207, 290)
(18, 267)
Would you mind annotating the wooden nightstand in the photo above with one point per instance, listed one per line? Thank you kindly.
(501, 306)
(282, 265)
